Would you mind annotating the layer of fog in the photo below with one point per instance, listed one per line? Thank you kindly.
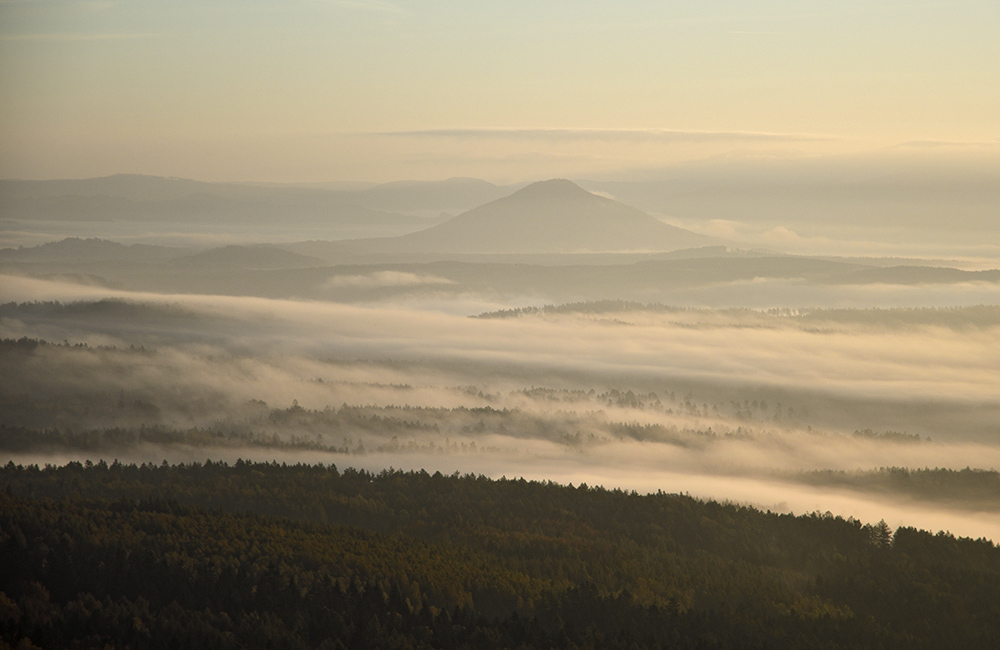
(761, 293)
(208, 357)
(919, 363)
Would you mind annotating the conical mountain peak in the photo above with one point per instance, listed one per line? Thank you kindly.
(554, 188)
(553, 216)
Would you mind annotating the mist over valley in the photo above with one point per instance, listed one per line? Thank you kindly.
(549, 333)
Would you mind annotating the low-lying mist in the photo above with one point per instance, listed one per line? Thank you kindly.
(790, 410)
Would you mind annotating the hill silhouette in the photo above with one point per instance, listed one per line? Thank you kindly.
(76, 249)
(554, 216)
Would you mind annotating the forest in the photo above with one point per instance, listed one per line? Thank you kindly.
(262, 555)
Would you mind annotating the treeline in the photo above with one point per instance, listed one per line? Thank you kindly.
(895, 436)
(28, 345)
(107, 309)
(960, 317)
(268, 555)
(119, 439)
(587, 307)
(965, 488)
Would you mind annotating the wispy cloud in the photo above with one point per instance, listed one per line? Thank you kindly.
(76, 37)
(95, 6)
(608, 134)
(365, 5)
(385, 279)
(936, 144)
(918, 364)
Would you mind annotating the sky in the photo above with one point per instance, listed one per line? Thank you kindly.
(373, 90)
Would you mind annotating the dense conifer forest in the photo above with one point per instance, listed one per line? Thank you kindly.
(309, 556)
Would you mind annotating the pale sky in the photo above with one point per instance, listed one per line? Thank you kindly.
(324, 90)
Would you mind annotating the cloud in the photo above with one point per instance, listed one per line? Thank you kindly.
(77, 36)
(782, 235)
(722, 228)
(366, 5)
(939, 144)
(385, 279)
(561, 134)
(96, 6)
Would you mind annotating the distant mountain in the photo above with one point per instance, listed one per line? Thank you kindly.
(74, 249)
(555, 216)
(249, 257)
(131, 197)
(130, 186)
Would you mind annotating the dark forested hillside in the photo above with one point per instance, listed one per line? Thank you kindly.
(267, 555)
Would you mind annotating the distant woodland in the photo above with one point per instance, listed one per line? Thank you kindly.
(309, 556)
